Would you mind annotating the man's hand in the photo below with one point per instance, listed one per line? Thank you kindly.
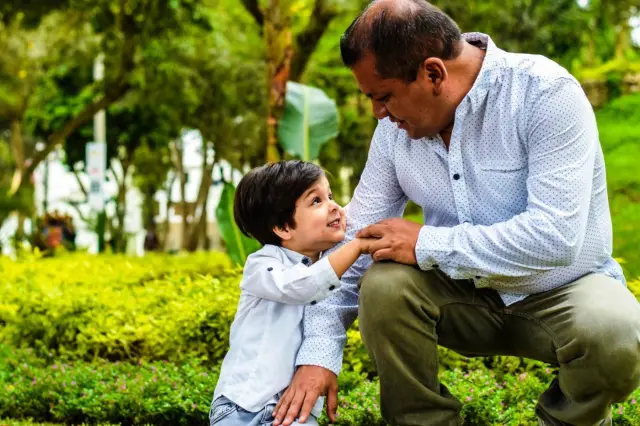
(309, 383)
(397, 239)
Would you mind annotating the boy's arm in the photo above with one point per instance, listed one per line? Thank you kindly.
(267, 278)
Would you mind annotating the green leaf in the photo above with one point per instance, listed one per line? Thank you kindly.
(310, 119)
(239, 246)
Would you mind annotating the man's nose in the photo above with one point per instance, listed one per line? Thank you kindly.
(379, 109)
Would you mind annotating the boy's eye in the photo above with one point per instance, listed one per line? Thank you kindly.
(331, 196)
(316, 200)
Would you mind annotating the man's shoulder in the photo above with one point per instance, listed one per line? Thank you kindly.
(535, 71)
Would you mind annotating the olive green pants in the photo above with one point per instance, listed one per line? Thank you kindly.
(590, 329)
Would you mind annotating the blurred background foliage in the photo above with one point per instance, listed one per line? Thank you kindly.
(219, 67)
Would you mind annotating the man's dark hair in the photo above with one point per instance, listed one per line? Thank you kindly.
(266, 197)
(400, 37)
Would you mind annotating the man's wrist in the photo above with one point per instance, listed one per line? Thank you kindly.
(433, 246)
(322, 352)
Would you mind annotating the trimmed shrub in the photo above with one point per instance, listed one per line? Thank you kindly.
(118, 308)
(164, 393)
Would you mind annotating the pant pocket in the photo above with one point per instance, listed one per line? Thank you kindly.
(220, 409)
(267, 417)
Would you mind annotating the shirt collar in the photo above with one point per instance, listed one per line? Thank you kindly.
(296, 257)
(492, 59)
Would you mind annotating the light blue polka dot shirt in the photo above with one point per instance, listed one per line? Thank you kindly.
(518, 202)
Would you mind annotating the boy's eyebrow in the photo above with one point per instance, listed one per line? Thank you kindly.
(310, 191)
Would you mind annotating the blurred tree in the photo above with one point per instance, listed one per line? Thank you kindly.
(553, 28)
(119, 29)
(285, 57)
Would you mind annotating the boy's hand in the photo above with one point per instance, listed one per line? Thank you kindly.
(308, 384)
(365, 244)
(396, 240)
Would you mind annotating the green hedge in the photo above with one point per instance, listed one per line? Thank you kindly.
(171, 314)
(118, 308)
(163, 393)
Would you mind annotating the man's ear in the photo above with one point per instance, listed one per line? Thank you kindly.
(283, 233)
(435, 72)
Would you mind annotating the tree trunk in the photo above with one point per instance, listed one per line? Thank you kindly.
(167, 221)
(199, 227)
(279, 51)
(623, 38)
(200, 206)
(17, 149)
(20, 234)
(178, 160)
(118, 234)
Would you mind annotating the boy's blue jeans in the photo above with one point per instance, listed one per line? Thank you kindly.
(225, 412)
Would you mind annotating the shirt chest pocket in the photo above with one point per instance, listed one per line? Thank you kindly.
(505, 184)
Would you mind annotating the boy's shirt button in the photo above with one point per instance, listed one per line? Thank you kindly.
(333, 287)
(269, 269)
(313, 303)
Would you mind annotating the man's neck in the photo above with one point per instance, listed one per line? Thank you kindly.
(464, 69)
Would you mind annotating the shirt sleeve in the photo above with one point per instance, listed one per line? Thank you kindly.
(562, 145)
(266, 277)
(378, 196)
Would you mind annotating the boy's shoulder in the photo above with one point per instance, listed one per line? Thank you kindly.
(268, 252)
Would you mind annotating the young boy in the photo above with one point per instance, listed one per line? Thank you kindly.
(288, 207)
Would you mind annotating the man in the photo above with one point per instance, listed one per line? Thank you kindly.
(501, 151)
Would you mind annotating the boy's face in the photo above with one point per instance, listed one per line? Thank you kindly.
(320, 222)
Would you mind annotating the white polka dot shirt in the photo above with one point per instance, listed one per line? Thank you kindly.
(518, 203)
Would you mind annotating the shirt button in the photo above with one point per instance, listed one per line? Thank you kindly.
(313, 303)
(333, 287)
(305, 261)
(269, 269)
(456, 176)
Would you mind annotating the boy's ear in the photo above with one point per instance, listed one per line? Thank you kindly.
(283, 233)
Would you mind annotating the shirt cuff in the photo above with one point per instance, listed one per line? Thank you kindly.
(326, 280)
(321, 351)
(433, 247)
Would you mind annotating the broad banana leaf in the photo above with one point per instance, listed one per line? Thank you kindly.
(309, 120)
(239, 246)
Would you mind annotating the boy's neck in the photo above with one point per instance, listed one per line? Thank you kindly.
(313, 255)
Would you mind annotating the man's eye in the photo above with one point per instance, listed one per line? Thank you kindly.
(384, 98)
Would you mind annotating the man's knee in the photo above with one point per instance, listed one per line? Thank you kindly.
(387, 288)
(612, 339)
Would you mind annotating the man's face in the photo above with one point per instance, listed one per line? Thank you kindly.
(420, 107)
